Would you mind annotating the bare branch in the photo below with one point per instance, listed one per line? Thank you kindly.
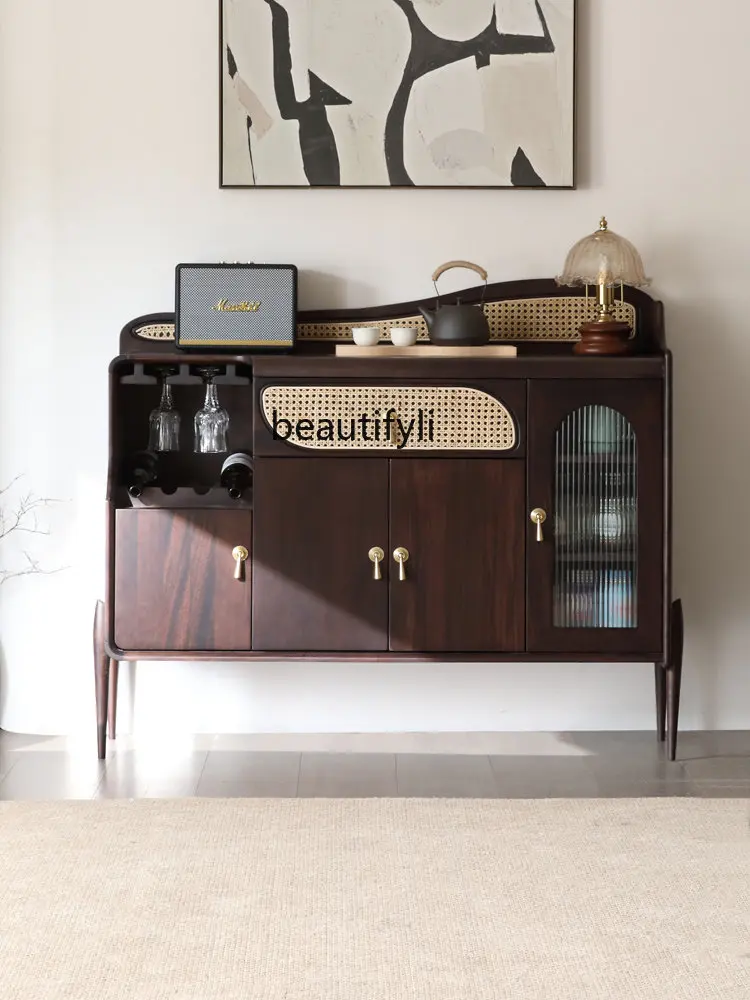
(32, 567)
(23, 520)
(27, 507)
(11, 484)
(6, 575)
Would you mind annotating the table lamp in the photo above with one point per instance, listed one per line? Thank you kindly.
(606, 260)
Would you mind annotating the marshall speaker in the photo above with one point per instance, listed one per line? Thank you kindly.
(236, 306)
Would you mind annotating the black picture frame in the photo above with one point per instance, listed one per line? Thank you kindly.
(416, 187)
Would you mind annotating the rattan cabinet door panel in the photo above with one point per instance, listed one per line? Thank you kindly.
(374, 418)
(175, 586)
(314, 587)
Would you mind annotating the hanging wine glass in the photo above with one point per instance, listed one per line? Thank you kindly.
(212, 420)
(164, 421)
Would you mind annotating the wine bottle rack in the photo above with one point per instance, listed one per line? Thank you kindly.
(184, 498)
(185, 478)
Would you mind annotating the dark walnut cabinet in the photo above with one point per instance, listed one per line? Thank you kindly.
(315, 522)
(596, 463)
(463, 522)
(314, 584)
(171, 586)
(514, 509)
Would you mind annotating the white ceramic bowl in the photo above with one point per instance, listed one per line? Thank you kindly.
(366, 336)
(403, 336)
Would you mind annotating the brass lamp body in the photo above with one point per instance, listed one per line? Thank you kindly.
(605, 335)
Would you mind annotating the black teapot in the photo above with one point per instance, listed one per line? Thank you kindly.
(457, 324)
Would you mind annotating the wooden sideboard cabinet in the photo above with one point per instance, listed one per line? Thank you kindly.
(519, 511)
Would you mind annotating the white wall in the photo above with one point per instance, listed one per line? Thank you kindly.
(108, 177)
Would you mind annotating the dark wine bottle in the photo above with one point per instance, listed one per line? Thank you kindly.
(237, 474)
(142, 469)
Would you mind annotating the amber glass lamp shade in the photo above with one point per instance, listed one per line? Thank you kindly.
(607, 261)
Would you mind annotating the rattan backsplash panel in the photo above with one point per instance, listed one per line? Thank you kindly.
(343, 331)
(155, 331)
(553, 318)
(441, 418)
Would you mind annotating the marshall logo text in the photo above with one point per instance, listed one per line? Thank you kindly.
(225, 306)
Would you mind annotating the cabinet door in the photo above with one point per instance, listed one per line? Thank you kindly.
(175, 586)
(463, 524)
(596, 467)
(315, 521)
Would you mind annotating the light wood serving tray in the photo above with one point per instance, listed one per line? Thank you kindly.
(426, 351)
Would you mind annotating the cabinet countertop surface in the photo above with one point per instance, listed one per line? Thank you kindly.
(540, 366)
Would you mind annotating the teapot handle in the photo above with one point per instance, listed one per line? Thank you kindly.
(459, 263)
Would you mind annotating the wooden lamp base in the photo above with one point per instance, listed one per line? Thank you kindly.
(609, 337)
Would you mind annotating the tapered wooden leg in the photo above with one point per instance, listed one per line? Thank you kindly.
(101, 674)
(114, 669)
(674, 676)
(660, 679)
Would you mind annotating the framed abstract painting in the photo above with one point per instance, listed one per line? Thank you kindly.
(398, 93)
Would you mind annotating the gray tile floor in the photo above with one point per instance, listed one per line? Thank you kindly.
(504, 765)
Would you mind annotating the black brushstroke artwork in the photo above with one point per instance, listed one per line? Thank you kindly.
(522, 174)
(428, 52)
(317, 142)
(231, 63)
(232, 69)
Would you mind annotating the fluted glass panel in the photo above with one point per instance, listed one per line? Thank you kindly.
(596, 521)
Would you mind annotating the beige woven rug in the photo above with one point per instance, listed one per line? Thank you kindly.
(379, 899)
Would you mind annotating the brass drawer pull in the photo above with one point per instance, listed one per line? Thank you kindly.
(401, 555)
(240, 556)
(538, 517)
(376, 555)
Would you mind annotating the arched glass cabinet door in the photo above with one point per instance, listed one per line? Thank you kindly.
(595, 566)
(596, 520)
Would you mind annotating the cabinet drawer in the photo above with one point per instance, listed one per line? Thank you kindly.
(175, 586)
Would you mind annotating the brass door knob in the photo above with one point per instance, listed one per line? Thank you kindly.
(376, 555)
(538, 517)
(240, 556)
(401, 555)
